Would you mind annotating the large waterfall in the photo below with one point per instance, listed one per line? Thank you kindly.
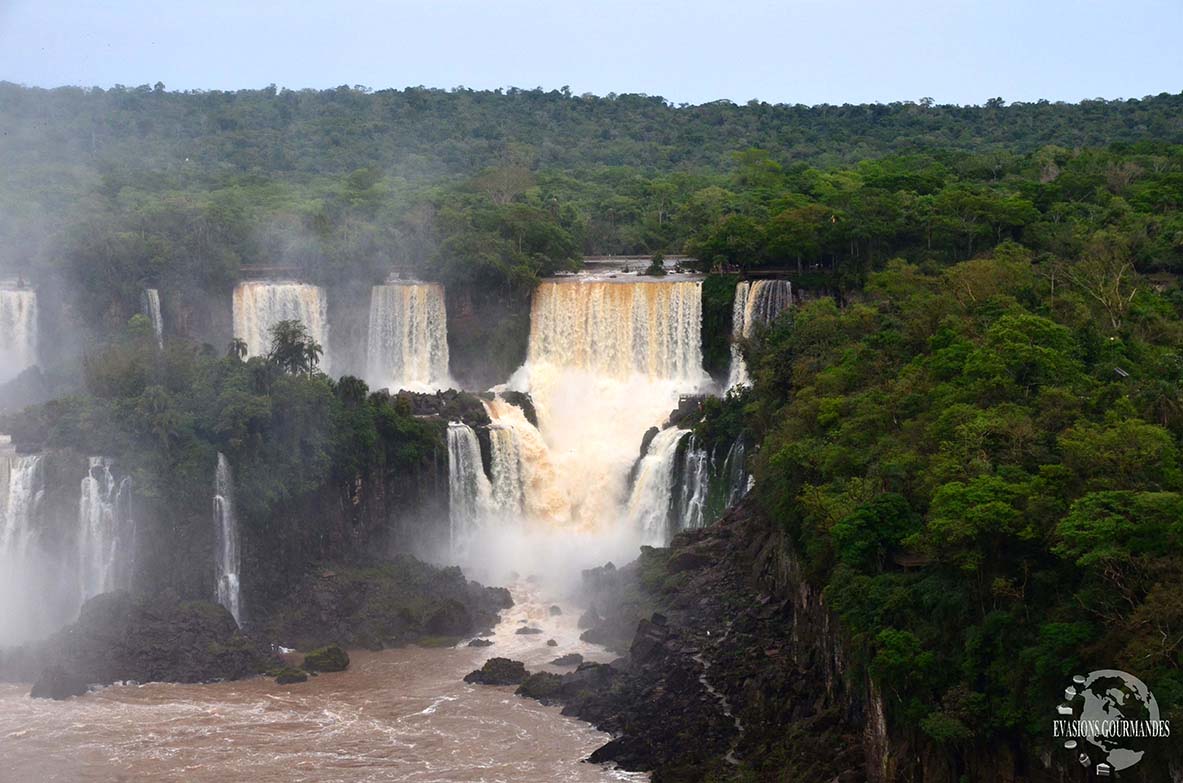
(620, 330)
(469, 493)
(607, 360)
(524, 481)
(757, 302)
(18, 330)
(260, 305)
(151, 304)
(106, 530)
(227, 559)
(407, 346)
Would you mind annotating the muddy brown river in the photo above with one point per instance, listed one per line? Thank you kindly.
(396, 715)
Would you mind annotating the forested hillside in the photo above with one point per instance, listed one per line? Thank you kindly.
(130, 185)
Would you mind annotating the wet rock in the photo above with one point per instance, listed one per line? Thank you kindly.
(481, 643)
(688, 560)
(330, 658)
(56, 683)
(589, 619)
(499, 671)
(570, 659)
(528, 631)
(542, 686)
(555, 610)
(551, 643)
(523, 401)
(290, 676)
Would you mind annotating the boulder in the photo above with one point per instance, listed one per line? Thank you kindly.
(330, 658)
(289, 676)
(527, 631)
(570, 659)
(481, 643)
(589, 619)
(450, 618)
(555, 610)
(551, 643)
(57, 683)
(499, 671)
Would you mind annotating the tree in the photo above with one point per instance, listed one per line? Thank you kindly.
(293, 350)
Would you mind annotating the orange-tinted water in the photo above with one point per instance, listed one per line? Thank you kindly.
(396, 715)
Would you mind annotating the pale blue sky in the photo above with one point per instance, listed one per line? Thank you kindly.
(795, 51)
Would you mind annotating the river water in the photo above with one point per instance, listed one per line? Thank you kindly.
(395, 715)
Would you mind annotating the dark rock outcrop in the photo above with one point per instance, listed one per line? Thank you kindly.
(555, 610)
(528, 631)
(542, 686)
(481, 643)
(499, 671)
(570, 659)
(551, 643)
(120, 637)
(523, 401)
(330, 658)
(56, 683)
(388, 603)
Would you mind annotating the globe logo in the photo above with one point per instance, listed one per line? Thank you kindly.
(1108, 719)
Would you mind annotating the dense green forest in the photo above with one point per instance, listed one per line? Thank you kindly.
(982, 465)
(121, 187)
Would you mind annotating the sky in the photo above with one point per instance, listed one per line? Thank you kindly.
(688, 51)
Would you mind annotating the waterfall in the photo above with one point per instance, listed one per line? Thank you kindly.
(649, 507)
(260, 305)
(151, 304)
(407, 344)
(620, 329)
(469, 493)
(757, 302)
(23, 494)
(106, 530)
(18, 331)
(693, 487)
(228, 561)
(26, 581)
(606, 361)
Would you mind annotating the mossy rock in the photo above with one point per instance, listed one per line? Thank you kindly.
(543, 686)
(330, 658)
(289, 675)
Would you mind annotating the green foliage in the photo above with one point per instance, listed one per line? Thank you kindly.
(990, 506)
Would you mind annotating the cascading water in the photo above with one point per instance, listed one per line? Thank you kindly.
(18, 330)
(650, 507)
(151, 304)
(469, 493)
(106, 531)
(689, 502)
(22, 576)
(407, 345)
(524, 483)
(757, 302)
(260, 305)
(606, 361)
(228, 561)
(23, 494)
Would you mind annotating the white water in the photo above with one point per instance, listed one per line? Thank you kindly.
(22, 573)
(757, 303)
(260, 305)
(18, 331)
(470, 496)
(151, 304)
(106, 531)
(407, 345)
(228, 562)
(524, 479)
(649, 507)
